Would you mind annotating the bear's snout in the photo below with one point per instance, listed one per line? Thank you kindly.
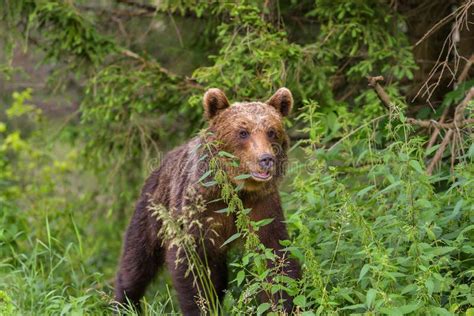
(266, 161)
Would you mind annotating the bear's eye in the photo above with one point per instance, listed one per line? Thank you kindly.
(243, 134)
(271, 134)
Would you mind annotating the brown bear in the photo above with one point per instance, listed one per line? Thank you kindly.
(254, 133)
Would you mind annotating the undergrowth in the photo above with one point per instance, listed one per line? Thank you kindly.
(373, 232)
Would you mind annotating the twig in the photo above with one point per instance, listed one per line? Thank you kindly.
(465, 70)
(461, 79)
(457, 123)
(448, 52)
(434, 136)
(176, 28)
(439, 24)
(439, 153)
(453, 154)
(459, 112)
(383, 96)
(433, 123)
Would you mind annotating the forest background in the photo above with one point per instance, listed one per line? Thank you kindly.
(379, 196)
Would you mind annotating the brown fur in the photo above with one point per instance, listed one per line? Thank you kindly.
(144, 252)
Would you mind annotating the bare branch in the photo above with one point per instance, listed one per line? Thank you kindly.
(433, 123)
(435, 27)
(448, 51)
(458, 122)
(434, 136)
(439, 153)
(383, 96)
(461, 79)
(465, 70)
(459, 112)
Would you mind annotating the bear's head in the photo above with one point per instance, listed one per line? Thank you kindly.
(254, 133)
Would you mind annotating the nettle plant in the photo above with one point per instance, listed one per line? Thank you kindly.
(378, 234)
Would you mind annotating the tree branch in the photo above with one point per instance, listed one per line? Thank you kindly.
(383, 96)
(433, 123)
(461, 79)
(459, 112)
(189, 81)
(458, 122)
(465, 70)
(439, 153)
(434, 136)
(143, 6)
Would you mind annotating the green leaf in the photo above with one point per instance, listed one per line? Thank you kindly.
(203, 157)
(391, 311)
(356, 306)
(240, 277)
(262, 222)
(363, 271)
(429, 286)
(400, 310)
(402, 117)
(246, 211)
(409, 288)
(370, 298)
(242, 176)
(416, 165)
(457, 208)
(390, 187)
(223, 210)
(262, 308)
(205, 175)
(209, 183)
(231, 239)
(226, 154)
(434, 310)
(470, 152)
(300, 301)
(406, 309)
(365, 190)
(438, 251)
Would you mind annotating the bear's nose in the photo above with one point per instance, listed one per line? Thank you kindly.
(266, 161)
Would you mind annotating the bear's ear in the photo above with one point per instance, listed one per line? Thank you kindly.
(214, 101)
(282, 100)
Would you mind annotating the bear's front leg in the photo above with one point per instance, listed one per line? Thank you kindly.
(271, 235)
(193, 291)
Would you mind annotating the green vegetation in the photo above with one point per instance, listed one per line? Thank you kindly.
(381, 221)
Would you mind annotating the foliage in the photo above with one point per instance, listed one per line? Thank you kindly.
(390, 240)
(374, 233)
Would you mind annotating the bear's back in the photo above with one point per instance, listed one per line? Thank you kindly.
(179, 170)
